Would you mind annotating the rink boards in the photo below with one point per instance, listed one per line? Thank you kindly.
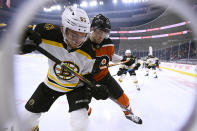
(186, 69)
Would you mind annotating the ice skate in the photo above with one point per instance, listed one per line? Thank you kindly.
(138, 88)
(146, 75)
(134, 118)
(120, 80)
(156, 76)
(136, 84)
(36, 128)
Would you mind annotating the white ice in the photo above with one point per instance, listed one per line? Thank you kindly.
(164, 104)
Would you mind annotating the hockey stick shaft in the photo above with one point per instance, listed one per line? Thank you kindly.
(125, 71)
(111, 65)
(56, 60)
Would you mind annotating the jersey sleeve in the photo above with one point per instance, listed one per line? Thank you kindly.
(124, 58)
(116, 58)
(112, 50)
(47, 32)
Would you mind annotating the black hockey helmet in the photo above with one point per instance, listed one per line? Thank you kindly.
(101, 22)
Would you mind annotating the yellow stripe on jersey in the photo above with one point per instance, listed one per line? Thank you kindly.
(53, 43)
(66, 85)
(57, 86)
(83, 53)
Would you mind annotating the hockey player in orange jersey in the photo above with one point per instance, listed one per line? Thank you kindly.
(103, 50)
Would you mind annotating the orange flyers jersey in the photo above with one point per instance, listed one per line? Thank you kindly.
(105, 55)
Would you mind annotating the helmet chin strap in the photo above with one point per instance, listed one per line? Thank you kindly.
(64, 34)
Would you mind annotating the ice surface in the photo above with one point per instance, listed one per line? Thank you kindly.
(164, 103)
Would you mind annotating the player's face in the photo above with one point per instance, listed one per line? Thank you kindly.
(74, 38)
(98, 36)
(128, 54)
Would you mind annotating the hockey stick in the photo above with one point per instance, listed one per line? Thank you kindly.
(57, 61)
(125, 71)
(111, 65)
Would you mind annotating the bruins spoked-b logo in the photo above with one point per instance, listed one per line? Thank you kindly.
(49, 26)
(63, 73)
(83, 19)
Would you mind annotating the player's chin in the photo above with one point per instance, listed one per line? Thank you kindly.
(75, 45)
(99, 41)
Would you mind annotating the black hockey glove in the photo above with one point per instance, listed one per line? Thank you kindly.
(28, 46)
(96, 67)
(100, 92)
(121, 71)
(137, 66)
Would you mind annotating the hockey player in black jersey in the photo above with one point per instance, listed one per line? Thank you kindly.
(103, 50)
(129, 65)
(64, 43)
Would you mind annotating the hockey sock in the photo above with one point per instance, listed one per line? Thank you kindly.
(79, 120)
(122, 77)
(124, 101)
(89, 111)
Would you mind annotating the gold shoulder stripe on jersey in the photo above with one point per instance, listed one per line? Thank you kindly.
(57, 81)
(53, 43)
(83, 53)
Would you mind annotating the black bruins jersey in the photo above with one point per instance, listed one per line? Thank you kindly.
(130, 62)
(58, 78)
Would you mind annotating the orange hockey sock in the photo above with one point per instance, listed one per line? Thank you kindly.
(124, 101)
